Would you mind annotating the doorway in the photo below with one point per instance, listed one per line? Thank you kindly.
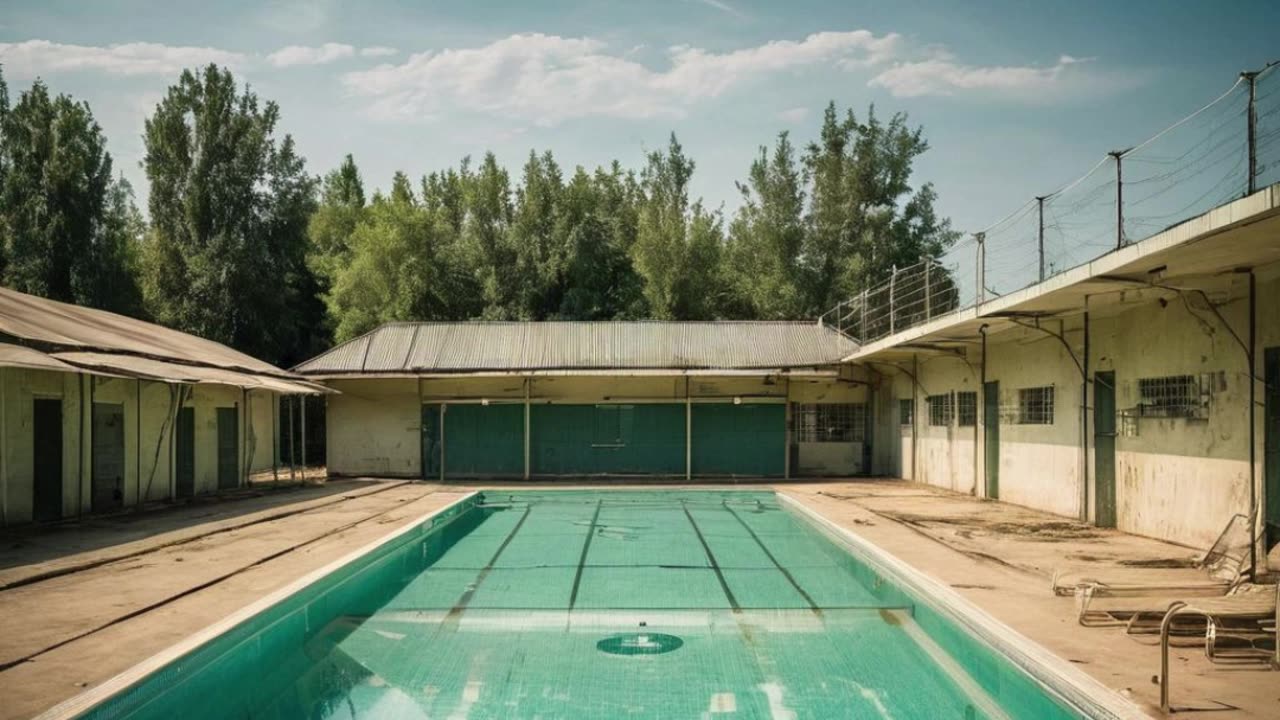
(228, 448)
(47, 429)
(185, 460)
(991, 435)
(1104, 447)
(108, 457)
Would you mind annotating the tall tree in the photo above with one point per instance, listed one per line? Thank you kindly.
(67, 229)
(537, 240)
(485, 232)
(864, 216)
(599, 227)
(678, 243)
(342, 206)
(229, 208)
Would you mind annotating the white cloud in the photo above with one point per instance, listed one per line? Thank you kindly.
(34, 57)
(378, 51)
(794, 115)
(941, 75)
(723, 7)
(307, 55)
(548, 79)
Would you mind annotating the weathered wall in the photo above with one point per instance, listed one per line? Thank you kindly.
(148, 427)
(373, 428)
(945, 453)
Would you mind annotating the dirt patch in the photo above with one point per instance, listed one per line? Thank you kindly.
(1043, 530)
(1161, 563)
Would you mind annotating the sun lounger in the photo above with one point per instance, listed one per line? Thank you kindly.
(1143, 614)
(1221, 569)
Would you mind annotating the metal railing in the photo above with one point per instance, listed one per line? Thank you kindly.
(1227, 149)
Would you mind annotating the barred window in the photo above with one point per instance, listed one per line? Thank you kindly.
(942, 409)
(1174, 396)
(1035, 405)
(906, 409)
(967, 409)
(831, 422)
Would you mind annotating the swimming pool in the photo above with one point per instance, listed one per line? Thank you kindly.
(574, 604)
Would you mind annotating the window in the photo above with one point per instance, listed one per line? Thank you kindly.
(967, 409)
(1174, 396)
(905, 408)
(942, 409)
(831, 422)
(1035, 405)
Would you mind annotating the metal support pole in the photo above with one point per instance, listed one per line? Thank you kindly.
(1253, 424)
(303, 400)
(981, 269)
(688, 432)
(137, 447)
(862, 330)
(1252, 125)
(893, 281)
(1118, 154)
(1084, 419)
(293, 465)
(1040, 235)
(928, 304)
(275, 436)
(788, 421)
(1164, 654)
(527, 381)
(443, 449)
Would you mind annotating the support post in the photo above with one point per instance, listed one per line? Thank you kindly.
(862, 329)
(981, 239)
(1085, 406)
(303, 400)
(4, 449)
(893, 281)
(688, 432)
(1252, 130)
(137, 447)
(275, 436)
(1040, 233)
(1253, 427)
(788, 421)
(928, 298)
(1118, 154)
(443, 408)
(293, 464)
(527, 428)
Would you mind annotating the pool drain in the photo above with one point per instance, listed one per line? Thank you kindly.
(639, 644)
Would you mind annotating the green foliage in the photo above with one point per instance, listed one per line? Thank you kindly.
(68, 231)
(230, 205)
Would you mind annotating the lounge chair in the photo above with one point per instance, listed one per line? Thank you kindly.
(1143, 614)
(1222, 567)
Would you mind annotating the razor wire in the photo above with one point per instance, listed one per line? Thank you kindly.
(1219, 153)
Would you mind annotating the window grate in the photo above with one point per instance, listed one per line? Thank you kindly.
(942, 409)
(1173, 396)
(905, 411)
(830, 422)
(1035, 405)
(967, 409)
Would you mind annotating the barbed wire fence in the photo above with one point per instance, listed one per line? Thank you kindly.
(1228, 149)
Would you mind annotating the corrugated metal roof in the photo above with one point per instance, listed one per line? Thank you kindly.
(513, 346)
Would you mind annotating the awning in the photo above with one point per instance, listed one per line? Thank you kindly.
(24, 357)
(161, 371)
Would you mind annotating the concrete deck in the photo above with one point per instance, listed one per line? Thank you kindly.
(81, 602)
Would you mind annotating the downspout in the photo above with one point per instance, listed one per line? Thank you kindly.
(915, 413)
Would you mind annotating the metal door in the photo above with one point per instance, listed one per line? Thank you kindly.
(991, 433)
(432, 419)
(108, 457)
(47, 428)
(185, 461)
(1104, 447)
(228, 447)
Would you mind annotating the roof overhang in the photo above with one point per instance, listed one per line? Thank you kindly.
(1238, 236)
(161, 371)
(820, 372)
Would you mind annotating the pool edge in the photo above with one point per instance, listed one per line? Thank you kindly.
(78, 705)
(1081, 690)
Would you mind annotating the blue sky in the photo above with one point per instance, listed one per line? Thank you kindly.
(1015, 98)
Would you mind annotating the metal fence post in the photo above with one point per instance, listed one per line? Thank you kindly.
(1117, 154)
(1252, 124)
(893, 280)
(928, 303)
(1040, 233)
(862, 323)
(981, 269)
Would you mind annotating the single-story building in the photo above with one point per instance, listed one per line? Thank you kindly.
(572, 399)
(100, 411)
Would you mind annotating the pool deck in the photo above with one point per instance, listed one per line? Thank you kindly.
(83, 601)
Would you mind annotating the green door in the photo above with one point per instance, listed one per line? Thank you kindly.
(1271, 445)
(47, 429)
(991, 433)
(185, 452)
(228, 419)
(108, 457)
(747, 440)
(484, 440)
(430, 461)
(1104, 446)
(608, 439)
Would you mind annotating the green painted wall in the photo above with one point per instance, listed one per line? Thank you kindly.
(608, 439)
(485, 440)
(739, 439)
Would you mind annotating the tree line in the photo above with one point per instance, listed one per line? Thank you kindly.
(243, 245)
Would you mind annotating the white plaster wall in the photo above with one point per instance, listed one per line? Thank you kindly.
(945, 454)
(374, 428)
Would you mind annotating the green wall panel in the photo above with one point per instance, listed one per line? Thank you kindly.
(486, 440)
(608, 439)
(739, 439)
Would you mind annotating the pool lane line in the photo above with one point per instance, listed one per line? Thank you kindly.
(455, 612)
(582, 559)
(785, 572)
(7, 665)
(733, 601)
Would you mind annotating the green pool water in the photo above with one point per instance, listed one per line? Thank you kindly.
(610, 604)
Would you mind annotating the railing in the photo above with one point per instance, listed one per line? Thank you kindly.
(1227, 149)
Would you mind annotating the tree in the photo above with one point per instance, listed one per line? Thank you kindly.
(485, 234)
(537, 240)
(864, 217)
(677, 244)
(229, 206)
(67, 229)
(599, 227)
